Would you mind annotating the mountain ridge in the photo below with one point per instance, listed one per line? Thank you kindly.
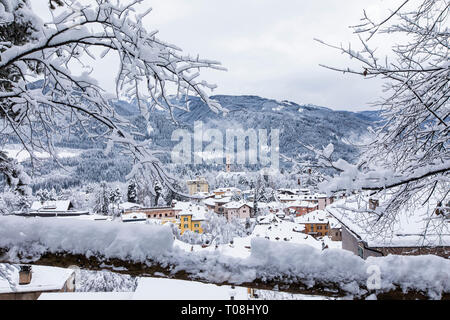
(310, 124)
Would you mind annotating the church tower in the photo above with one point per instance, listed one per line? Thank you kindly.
(228, 164)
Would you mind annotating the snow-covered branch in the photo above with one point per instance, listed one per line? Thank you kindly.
(408, 156)
(41, 96)
(15, 175)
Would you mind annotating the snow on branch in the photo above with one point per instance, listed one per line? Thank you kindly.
(15, 175)
(408, 156)
(40, 96)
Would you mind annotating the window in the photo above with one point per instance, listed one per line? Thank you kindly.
(196, 225)
(361, 252)
(186, 219)
(186, 226)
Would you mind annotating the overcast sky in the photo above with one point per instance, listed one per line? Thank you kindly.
(267, 46)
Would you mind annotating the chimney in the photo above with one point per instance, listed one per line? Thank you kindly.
(373, 204)
(25, 275)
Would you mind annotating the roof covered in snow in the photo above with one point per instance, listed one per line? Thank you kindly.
(42, 279)
(91, 217)
(407, 229)
(294, 191)
(285, 231)
(272, 205)
(197, 211)
(317, 216)
(58, 205)
(302, 204)
(268, 219)
(129, 206)
(217, 199)
(237, 204)
(298, 197)
(134, 216)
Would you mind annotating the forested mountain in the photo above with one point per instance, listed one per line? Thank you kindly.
(308, 124)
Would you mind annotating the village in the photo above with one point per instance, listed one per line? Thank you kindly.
(297, 216)
(133, 167)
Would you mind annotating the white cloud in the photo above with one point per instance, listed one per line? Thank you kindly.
(268, 46)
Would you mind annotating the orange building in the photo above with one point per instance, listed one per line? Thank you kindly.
(161, 213)
(317, 223)
(317, 229)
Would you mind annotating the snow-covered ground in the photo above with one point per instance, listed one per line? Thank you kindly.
(171, 289)
(17, 152)
(150, 288)
(86, 296)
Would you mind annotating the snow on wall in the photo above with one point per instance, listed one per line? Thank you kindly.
(109, 239)
(426, 273)
(269, 260)
(307, 262)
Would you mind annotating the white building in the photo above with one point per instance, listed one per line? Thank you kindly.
(52, 209)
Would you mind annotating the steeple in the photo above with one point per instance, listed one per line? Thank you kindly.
(228, 164)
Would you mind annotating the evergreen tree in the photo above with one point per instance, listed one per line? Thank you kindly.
(158, 190)
(132, 195)
(43, 195)
(115, 197)
(102, 200)
(236, 197)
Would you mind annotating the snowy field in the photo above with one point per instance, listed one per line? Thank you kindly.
(17, 152)
(150, 288)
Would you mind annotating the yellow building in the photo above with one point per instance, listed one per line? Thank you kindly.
(190, 222)
(191, 216)
(198, 185)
